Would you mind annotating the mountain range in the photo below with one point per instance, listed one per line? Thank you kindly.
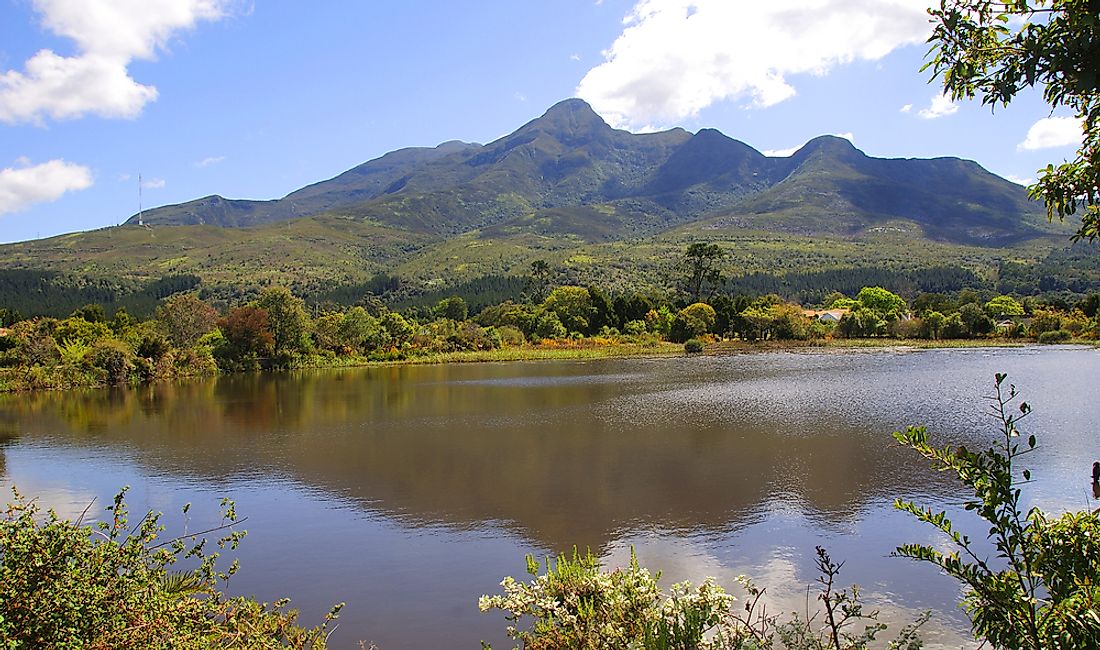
(599, 204)
(570, 171)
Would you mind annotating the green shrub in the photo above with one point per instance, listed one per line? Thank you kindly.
(510, 336)
(1055, 336)
(549, 327)
(114, 359)
(692, 321)
(66, 585)
(1042, 588)
(693, 346)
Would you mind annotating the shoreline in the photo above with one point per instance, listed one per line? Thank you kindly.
(10, 382)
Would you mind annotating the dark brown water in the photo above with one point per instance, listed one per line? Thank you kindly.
(409, 491)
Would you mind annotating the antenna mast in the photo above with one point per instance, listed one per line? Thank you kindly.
(141, 216)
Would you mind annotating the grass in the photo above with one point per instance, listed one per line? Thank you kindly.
(561, 352)
(726, 347)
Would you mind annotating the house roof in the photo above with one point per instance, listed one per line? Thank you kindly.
(825, 314)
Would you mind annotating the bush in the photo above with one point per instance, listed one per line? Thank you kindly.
(1042, 590)
(1055, 336)
(114, 359)
(549, 326)
(692, 321)
(65, 585)
(693, 346)
(510, 336)
(575, 604)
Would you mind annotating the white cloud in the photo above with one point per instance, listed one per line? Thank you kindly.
(122, 178)
(153, 183)
(1052, 132)
(1019, 180)
(784, 153)
(209, 160)
(25, 185)
(941, 106)
(574, 57)
(906, 108)
(676, 57)
(781, 153)
(108, 35)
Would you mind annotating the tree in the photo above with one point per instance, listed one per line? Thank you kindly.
(975, 319)
(398, 329)
(9, 317)
(247, 335)
(288, 320)
(539, 280)
(453, 308)
(603, 312)
(549, 327)
(186, 317)
(509, 314)
(995, 49)
(1004, 306)
(1090, 305)
(121, 321)
(928, 302)
(932, 324)
(885, 304)
(861, 321)
(573, 307)
(93, 313)
(631, 307)
(360, 331)
(692, 321)
(700, 264)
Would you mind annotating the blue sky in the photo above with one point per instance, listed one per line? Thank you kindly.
(256, 99)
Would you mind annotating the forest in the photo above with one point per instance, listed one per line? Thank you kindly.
(168, 328)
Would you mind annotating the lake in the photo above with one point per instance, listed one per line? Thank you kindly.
(409, 491)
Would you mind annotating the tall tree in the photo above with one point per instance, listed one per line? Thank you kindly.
(289, 322)
(700, 266)
(539, 280)
(993, 49)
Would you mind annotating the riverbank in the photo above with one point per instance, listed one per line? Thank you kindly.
(729, 347)
(22, 379)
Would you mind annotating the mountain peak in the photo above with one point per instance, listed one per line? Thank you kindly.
(572, 106)
(570, 120)
(829, 142)
(829, 146)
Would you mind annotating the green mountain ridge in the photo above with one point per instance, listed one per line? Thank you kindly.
(600, 205)
(569, 158)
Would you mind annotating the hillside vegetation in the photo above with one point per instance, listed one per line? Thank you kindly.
(596, 203)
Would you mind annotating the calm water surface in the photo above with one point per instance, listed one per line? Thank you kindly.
(409, 491)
